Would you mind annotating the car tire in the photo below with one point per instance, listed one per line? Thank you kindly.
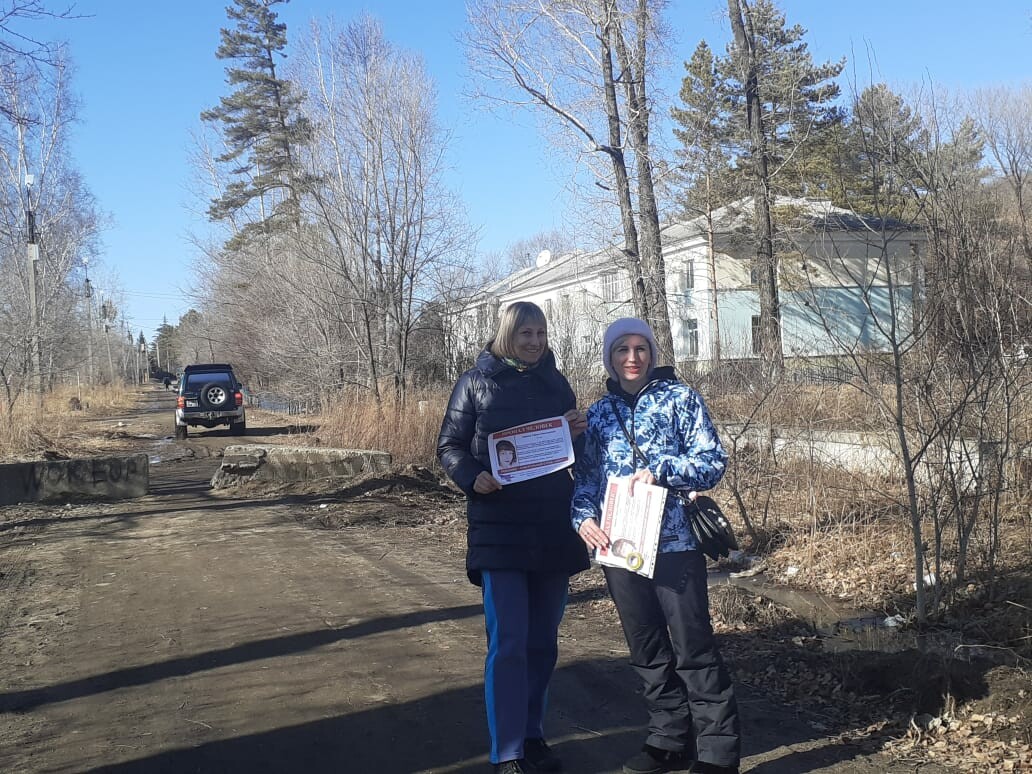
(215, 396)
(180, 432)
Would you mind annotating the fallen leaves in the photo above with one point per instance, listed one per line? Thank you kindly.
(965, 743)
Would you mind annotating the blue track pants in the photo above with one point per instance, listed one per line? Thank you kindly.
(522, 612)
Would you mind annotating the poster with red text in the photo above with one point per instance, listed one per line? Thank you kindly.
(529, 451)
(632, 521)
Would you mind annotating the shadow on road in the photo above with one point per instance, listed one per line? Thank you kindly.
(446, 733)
(20, 701)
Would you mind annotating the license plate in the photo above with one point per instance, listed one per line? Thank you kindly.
(191, 404)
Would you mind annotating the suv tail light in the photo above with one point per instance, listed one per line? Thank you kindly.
(181, 402)
(239, 398)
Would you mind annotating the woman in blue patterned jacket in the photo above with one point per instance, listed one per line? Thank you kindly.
(691, 702)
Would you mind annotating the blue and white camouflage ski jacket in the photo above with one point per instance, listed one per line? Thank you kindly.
(672, 428)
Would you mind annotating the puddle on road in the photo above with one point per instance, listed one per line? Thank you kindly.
(843, 629)
(168, 451)
(156, 458)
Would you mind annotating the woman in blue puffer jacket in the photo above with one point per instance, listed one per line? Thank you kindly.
(521, 549)
(693, 715)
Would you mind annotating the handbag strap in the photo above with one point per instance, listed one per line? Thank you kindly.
(634, 446)
(641, 456)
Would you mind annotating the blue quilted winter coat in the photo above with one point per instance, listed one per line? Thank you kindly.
(672, 428)
(525, 526)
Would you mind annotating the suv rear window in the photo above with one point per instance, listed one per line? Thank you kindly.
(197, 381)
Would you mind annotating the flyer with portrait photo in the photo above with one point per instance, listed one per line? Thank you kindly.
(529, 451)
(632, 522)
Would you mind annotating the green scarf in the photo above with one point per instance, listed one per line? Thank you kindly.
(519, 365)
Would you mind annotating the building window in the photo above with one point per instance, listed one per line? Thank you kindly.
(754, 273)
(689, 275)
(610, 286)
(756, 338)
(565, 307)
(690, 332)
(548, 309)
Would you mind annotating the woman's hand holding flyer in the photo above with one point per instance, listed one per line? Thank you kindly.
(531, 450)
(632, 513)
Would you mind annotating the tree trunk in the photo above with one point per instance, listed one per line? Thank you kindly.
(765, 261)
(711, 253)
(644, 252)
(653, 269)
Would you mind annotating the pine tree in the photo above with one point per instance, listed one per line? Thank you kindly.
(711, 180)
(775, 103)
(883, 141)
(701, 128)
(262, 131)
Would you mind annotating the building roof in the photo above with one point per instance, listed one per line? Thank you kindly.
(568, 268)
(729, 220)
(818, 214)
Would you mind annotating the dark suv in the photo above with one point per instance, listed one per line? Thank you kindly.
(209, 395)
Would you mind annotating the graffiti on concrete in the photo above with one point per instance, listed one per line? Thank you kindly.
(104, 477)
(96, 471)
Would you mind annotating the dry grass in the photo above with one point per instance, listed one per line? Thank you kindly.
(845, 534)
(818, 406)
(408, 432)
(848, 536)
(32, 429)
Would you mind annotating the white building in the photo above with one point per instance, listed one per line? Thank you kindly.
(842, 280)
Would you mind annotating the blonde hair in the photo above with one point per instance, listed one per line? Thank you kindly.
(514, 317)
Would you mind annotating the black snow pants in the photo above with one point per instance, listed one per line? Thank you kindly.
(687, 687)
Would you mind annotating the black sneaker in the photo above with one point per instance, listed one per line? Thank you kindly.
(652, 760)
(539, 755)
(509, 767)
(701, 767)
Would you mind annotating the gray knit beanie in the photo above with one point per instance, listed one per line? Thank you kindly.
(626, 326)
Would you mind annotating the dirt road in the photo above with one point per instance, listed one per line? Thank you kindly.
(185, 632)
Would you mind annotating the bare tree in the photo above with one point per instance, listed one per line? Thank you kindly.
(523, 253)
(56, 213)
(588, 64)
(933, 360)
(20, 46)
(386, 227)
(1004, 119)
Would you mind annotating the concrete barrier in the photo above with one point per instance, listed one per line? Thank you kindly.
(865, 452)
(100, 478)
(285, 464)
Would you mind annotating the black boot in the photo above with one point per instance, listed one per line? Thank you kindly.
(652, 760)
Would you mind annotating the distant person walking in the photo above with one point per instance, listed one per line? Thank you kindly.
(521, 549)
(655, 429)
(167, 382)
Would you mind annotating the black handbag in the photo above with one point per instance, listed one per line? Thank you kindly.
(709, 525)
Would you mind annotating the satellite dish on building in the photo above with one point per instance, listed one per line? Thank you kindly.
(543, 258)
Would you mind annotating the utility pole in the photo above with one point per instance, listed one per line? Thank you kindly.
(142, 364)
(131, 378)
(107, 314)
(89, 332)
(33, 257)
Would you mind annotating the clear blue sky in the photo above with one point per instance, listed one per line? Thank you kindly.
(145, 71)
